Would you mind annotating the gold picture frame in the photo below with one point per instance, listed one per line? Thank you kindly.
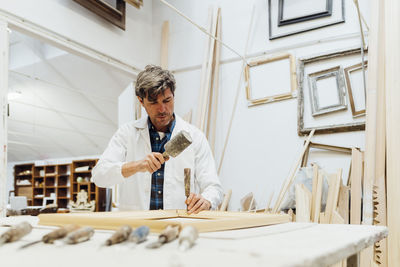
(265, 60)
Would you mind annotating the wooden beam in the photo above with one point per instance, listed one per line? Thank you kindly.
(392, 69)
(314, 191)
(355, 187)
(334, 182)
(289, 180)
(303, 203)
(225, 202)
(4, 55)
(208, 221)
(164, 45)
(344, 202)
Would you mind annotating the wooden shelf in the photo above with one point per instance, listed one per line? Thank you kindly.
(59, 179)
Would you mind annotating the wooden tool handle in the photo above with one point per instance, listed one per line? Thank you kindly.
(187, 181)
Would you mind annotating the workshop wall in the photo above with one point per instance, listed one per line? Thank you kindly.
(77, 23)
(264, 143)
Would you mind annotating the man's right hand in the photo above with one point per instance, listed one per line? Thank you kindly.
(151, 163)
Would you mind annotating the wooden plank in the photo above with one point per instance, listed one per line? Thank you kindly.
(225, 202)
(336, 218)
(355, 188)
(303, 203)
(292, 173)
(164, 45)
(206, 86)
(318, 197)
(202, 91)
(213, 106)
(334, 182)
(392, 69)
(314, 190)
(344, 202)
(208, 220)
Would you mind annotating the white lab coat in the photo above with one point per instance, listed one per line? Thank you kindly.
(132, 142)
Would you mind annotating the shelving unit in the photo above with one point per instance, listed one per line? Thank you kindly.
(23, 181)
(80, 180)
(38, 182)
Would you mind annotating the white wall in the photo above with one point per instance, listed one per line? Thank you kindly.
(75, 22)
(264, 143)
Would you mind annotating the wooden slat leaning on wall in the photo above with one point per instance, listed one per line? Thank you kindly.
(355, 188)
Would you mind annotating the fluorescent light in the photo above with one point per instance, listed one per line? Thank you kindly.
(13, 95)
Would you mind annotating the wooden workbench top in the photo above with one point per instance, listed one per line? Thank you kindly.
(289, 244)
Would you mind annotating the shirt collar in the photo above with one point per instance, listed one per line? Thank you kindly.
(170, 128)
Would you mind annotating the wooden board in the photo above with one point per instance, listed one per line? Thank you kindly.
(164, 45)
(208, 221)
(355, 189)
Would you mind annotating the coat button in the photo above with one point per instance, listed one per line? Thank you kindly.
(159, 192)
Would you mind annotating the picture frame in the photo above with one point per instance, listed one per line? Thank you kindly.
(314, 78)
(115, 15)
(158, 220)
(275, 97)
(314, 15)
(302, 23)
(347, 72)
(353, 125)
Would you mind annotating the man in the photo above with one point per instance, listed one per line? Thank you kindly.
(134, 158)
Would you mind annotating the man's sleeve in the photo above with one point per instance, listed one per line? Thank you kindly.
(206, 174)
(108, 169)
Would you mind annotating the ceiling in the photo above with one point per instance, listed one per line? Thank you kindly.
(61, 105)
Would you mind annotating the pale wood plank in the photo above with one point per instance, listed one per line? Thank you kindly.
(355, 188)
(164, 45)
(290, 178)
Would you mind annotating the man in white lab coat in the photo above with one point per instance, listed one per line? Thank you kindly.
(134, 158)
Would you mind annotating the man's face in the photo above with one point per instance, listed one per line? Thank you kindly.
(161, 110)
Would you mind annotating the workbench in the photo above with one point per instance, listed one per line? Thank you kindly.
(288, 244)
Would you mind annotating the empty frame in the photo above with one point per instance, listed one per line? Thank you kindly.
(355, 87)
(270, 78)
(288, 17)
(324, 66)
(327, 91)
(291, 12)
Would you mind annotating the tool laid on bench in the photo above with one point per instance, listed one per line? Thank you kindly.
(169, 234)
(16, 232)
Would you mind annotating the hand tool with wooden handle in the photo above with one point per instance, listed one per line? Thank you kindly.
(16, 232)
(187, 182)
(177, 144)
(140, 234)
(54, 235)
(80, 235)
(169, 234)
(187, 237)
(119, 236)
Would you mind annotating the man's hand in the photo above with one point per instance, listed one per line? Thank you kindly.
(197, 203)
(151, 163)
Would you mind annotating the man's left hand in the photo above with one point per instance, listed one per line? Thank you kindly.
(197, 203)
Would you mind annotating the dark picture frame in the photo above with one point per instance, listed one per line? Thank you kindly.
(281, 22)
(115, 15)
(273, 36)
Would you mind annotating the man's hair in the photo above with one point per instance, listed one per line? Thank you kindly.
(152, 81)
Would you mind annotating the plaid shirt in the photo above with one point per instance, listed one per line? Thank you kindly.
(157, 178)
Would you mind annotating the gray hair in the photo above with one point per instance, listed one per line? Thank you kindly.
(152, 81)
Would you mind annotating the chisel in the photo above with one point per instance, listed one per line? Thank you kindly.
(169, 234)
(119, 236)
(16, 232)
(80, 235)
(186, 172)
(187, 237)
(140, 234)
(54, 235)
